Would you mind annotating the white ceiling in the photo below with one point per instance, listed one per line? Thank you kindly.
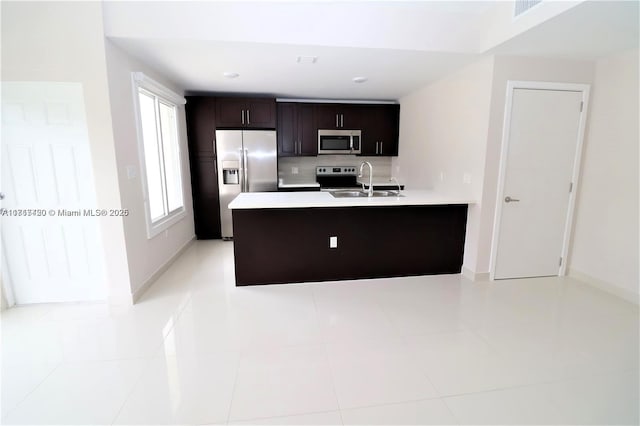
(399, 46)
(589, 31)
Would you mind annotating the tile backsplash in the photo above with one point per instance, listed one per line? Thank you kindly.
(306, 166)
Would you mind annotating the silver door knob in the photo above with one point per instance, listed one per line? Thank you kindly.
(508, 199)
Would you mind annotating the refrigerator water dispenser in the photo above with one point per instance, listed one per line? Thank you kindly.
(230, 173)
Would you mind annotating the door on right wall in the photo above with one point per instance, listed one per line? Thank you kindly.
(538, 162)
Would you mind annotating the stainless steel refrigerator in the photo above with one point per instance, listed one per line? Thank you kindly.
(247, 162)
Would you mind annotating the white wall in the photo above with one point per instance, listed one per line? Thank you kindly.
(454, 126)
(64, 41)
(3, 300)
(146, 256)
(605, 238)
(498, 24)
(514, 68)
(443, 136)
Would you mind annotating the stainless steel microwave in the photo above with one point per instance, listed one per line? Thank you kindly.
(339, 141)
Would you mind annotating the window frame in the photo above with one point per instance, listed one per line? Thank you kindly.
(142, 83)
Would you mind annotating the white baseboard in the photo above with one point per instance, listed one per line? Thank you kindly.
(475, 276)
(161, 270)
(622, 293)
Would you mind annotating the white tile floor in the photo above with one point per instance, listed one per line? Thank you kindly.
(417, 350)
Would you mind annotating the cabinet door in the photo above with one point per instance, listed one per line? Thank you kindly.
(389, 123)
(260, 113)
(338, 116)
(349, 116)
(326, 116)
(380, 130)
(200, 114)
(230, 112)
(369, 127)
(206, 203)
(287, 130)
(307, 131)
(201, 125)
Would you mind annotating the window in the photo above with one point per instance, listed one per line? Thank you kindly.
(159, 142)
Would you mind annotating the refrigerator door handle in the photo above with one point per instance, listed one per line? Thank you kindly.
(245, 162)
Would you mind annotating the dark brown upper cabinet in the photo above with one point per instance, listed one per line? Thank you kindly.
(380, 126)
(297, 133)
(201, 125)
(338, 116)
(246, 113)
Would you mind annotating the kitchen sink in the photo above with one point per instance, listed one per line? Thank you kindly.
(357, 194)
(344, 194)
(387, 194)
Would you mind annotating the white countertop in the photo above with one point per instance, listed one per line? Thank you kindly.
(299, 185)
(282, 200)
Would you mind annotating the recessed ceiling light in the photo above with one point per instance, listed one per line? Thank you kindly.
(359, 79)
(307, 60)
(230, 74)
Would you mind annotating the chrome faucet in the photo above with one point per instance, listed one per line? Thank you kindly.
(392, 179)
(370, 190)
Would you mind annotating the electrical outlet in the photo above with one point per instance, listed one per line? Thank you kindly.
(466, 178)
(441, 176)
(131, 172)
(294, 170)
(333, 242)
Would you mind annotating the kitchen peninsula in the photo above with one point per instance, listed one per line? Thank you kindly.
(286, 237)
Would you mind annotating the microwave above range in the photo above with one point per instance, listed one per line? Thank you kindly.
(339, 141)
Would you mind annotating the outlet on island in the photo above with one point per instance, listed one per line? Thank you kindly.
(333, 242)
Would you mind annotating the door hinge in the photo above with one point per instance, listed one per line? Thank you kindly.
(581, 105)
(560, 263)
(570, 187)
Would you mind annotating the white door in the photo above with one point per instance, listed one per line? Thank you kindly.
(541, 145)
(46, 172)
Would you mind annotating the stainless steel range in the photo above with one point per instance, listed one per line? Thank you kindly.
(332, 178)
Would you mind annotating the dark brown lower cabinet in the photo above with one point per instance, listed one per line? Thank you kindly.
(292, 245)
(206, 204)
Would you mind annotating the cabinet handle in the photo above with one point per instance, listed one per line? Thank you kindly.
(341, 120)
(248, 119)
(377, 148)
(337, 122)
(381, 142)
(300, 147)
(242, 116)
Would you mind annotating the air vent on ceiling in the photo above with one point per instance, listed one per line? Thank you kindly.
(521, 6)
